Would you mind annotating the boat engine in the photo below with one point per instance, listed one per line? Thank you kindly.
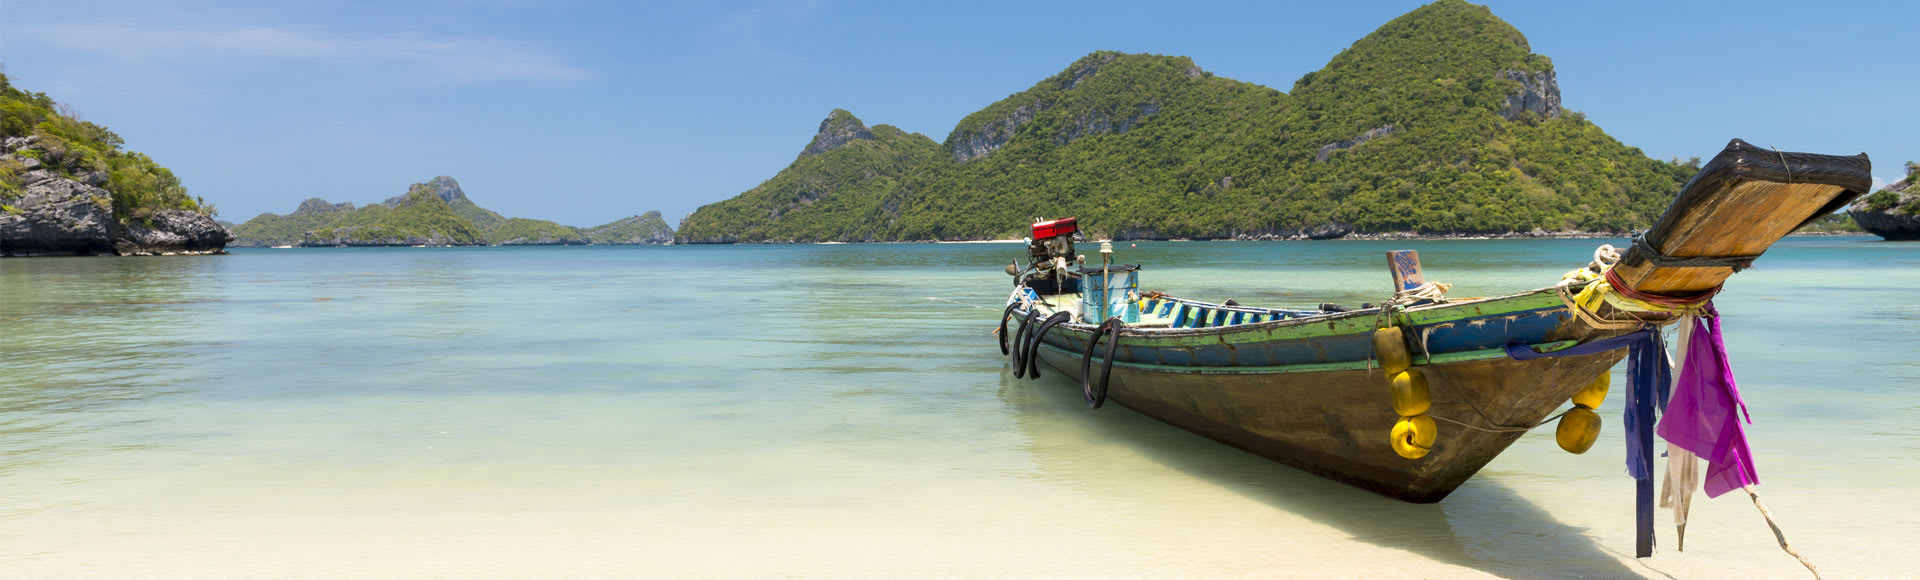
(1049, 253)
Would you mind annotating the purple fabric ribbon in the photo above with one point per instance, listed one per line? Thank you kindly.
(1697, 415)
(1702, 415)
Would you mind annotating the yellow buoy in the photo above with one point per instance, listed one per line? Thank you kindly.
(1578, 429)
(1410, 394)
(1391, 350)
(1413, 436)
(1595, 393)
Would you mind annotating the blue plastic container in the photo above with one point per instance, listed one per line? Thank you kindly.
(1110, 295)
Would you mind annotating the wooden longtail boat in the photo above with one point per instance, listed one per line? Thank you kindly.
(1302, 387)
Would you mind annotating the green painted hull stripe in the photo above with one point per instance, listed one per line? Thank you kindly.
(1438, 359)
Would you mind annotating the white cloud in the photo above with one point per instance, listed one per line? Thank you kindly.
(461, 59)
(1878, 183)
(746, 29)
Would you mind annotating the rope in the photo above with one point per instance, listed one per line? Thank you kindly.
(1653, 256)
(1602, 277)
(1613, 280)
(1782, 538)
(1501, 429)
(1553, 379)
(1783, 165)
(1594, 320)
(1425, 333)
(1435, 291)
(1604, 257)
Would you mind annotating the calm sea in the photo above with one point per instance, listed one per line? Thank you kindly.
(840, 411)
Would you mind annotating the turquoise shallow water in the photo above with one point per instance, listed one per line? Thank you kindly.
(835, 411)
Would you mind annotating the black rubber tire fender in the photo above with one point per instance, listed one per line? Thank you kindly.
(1019, 340)
(1097, 398)
(1033, 341)
(1004, 315)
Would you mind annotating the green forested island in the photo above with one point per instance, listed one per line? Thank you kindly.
(139, 186)
(1440, 122)
(437, 212)
(68, 188)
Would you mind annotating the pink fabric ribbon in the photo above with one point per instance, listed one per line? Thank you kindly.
(1705, 412)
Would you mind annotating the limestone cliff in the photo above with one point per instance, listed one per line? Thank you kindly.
(1892, 213)
(1088, 112)
(1539, 94)
(443, 187)
(838, 129)
(54, 206)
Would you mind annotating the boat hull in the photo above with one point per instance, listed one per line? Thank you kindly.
(1335, 423)
(1306, 393)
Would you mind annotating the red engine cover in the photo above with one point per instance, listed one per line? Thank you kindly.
(1059, 227)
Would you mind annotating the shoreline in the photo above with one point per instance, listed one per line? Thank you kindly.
(1366, 237)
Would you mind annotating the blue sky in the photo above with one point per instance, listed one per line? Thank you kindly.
(584, 112)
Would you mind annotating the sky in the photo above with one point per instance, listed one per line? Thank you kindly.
(585, 112)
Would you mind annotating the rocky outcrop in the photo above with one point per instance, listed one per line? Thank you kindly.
(1893, 213)
(1090, 125)
(1086, 67)
(443, 187)
(1326, 151)
(52, 216)
(170, 232)
(969, 145)
(966, 145)
(51, 211)
(1539, 94)
(316, 206)
(839, 128)
(1889, 225)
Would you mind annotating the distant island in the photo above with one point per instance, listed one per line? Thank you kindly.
(435, 213)
(1441, 122)
(68, 189)
(1893, 212)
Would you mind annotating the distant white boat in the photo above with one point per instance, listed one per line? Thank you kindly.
(281, 247)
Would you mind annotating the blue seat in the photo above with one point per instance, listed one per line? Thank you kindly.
(1200, 316)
